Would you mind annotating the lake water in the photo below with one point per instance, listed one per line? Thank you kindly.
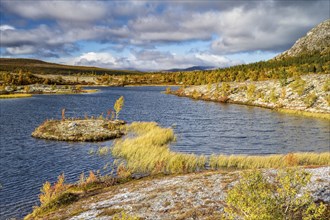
(201, 128)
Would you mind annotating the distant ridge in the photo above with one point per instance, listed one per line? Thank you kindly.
(42, 67)
(193, 68)
(317, 40)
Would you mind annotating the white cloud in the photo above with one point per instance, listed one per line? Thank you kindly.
(151, 60)
(6, 27)
(76, 11)
(99, 59)
(21, 50)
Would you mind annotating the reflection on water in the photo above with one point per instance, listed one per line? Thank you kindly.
(201, 128)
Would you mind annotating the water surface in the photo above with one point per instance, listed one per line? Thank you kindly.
(201, 128)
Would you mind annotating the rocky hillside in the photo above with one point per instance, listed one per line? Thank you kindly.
(316, 40)
(310, 93)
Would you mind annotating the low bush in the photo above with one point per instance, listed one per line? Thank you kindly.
(298, 85)
(310, 99)
(257, 197)
(250, 92)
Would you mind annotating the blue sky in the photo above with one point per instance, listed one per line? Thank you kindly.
(155, 35)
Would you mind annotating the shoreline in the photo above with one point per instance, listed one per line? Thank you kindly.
(162, 196)
(312, 102)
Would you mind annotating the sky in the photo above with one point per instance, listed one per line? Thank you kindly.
(155, 35)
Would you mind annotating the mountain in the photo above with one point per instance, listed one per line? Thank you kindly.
(42, 67)
(193, 68)
(316, 40)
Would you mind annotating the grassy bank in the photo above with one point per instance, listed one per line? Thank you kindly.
(304, 113)
(15, 96)
(271, 161)
(147, 151)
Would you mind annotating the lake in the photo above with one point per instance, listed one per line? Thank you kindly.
(201, 127)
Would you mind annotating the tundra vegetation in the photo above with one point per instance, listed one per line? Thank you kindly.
(146, 151)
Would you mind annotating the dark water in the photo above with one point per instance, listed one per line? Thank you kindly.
(202, 128)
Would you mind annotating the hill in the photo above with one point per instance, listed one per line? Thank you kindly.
(192, 68)
(316, 40)
(42, 67)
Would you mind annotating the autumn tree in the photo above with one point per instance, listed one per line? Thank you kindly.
(119, 105)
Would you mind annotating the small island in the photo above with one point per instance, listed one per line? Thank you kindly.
(80, 130)
(87, 129)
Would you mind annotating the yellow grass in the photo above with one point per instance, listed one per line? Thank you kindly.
(148, 151)
(14, 96)
(90, 90)
(271, 161)
(304, 113)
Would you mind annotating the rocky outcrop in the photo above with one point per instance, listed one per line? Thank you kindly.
(309, 93)
(80, 130)
(316, 40)
(191, 196)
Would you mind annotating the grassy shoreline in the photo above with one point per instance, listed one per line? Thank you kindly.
(15, 96)
(301, 113)
(145, 150)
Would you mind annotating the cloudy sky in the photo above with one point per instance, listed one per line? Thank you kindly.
(154, 35)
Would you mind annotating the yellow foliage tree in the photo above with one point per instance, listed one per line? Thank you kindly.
(119, 105)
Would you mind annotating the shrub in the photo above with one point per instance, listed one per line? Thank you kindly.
(283, 78)
(326, 86)
(283, 93)
(327, 98)
(272, 96)
(298, 85)
(26, 89)
(168, 90)
(92, 178)
(225, 89)
(78, 87)
(310, 99)
(125, 216)
(250, 91)
(195, 94)
(49, 192)
(256, 197)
